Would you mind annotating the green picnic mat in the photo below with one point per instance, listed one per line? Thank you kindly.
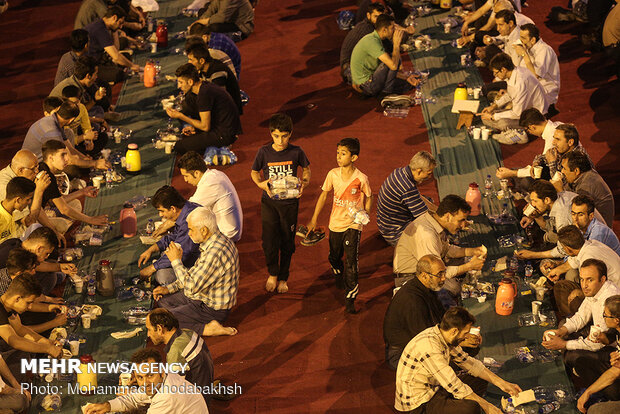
(462, 160)
(142, 112)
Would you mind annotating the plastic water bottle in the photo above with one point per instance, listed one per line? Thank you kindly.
(417, 98)
(286, 187)
(91, 289)
(109, 178)
(359, 216)
(505, 210)
(285, 193)
(529, 270)
(514, 263)
(548, 408)
(150, 227)
(488, 186)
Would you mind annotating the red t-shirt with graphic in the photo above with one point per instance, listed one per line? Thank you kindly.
(346, 193)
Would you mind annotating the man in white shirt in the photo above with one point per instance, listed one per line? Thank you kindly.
(215, 191)
(428, 235)
(540, 59)
(488, 28)
(597, 289)
(508, 29)
(523, 91)
(601, 373)
(155, 390)
(578, 251)
(534, 123)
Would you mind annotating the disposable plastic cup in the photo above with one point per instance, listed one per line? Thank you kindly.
(477, 133)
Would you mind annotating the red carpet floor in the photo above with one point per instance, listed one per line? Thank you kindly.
(299, 352)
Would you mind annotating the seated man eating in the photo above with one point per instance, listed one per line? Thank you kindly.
(172, 207)
(202, 296)
(219, 122)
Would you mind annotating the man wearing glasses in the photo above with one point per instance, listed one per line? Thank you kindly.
(415, 307)
(523, 91)
(25, 164)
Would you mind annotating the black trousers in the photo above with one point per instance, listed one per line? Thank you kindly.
(224, 27)
(597, 11)
(201, 140)
(493, 87)
(37, 318)
(443, 402)
(591, 365)
(345, 243)
(99, 144)
(279, 218)
(111, 73)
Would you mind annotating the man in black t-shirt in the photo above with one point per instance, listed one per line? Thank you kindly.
(214, 71)
(219, 122)
(42, 242)
(279, 217)
(101, 46)
(19, 297)
(41, 316)
(55, 159)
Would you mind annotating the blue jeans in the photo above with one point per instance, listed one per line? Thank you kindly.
(381, 82)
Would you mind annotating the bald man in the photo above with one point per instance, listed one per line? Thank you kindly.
(25, 164)
(416, 307)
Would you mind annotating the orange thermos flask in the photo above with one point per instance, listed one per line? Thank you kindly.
(150, 74)
(505, 299)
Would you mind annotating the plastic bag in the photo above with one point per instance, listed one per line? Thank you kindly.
(345, 20)
(147, 5)
(219, 156)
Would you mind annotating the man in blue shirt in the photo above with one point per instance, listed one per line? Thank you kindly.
(171, 206)
(399, 201)
(582, 213)
(218, 41)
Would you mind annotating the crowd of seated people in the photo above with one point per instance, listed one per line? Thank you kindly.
(197, 272)
(573, 211)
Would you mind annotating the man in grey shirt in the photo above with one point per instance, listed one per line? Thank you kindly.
(53, 127)
(91, 10)
(582, 179)
(229, 16)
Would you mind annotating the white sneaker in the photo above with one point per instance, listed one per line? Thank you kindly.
(401, 101)
(511, 137)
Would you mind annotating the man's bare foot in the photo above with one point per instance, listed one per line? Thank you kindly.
(214, 328)
(270, 286)
(282, 286)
